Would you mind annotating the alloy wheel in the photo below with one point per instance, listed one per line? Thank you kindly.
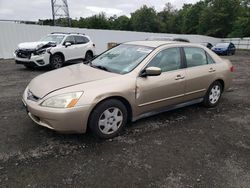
(214, 94)
(110, 120)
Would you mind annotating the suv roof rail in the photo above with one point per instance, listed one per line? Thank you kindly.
(67, 33)
(77, 33)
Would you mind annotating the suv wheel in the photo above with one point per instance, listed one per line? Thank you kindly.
(88, 56)
(213, 95)
(108, 118)
(56, 61)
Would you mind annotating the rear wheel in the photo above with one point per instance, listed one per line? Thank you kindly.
(56, 61)
(108, 118)
(213, 95)
(88, 56)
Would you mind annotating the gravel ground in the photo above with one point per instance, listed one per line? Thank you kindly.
(188, 147)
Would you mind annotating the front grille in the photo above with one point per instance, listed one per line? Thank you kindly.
(23, 54)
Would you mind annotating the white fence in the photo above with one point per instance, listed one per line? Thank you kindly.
(11, 34)
(240, 43)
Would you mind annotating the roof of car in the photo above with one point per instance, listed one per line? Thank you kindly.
(153, 43)
(64, 33)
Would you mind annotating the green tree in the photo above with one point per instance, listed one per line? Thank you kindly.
(166, 19)
(191, 17)
(99, 21)
(241, 27)
(144, 19)
(121, 23)
(218, 17)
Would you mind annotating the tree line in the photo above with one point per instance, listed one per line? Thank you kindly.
(217, 18)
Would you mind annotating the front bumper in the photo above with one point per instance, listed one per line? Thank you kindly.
(73, 120)
(34, 60)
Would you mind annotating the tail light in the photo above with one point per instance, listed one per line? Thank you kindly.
(232, 69)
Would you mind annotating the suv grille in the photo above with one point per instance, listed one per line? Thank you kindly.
(23, 54)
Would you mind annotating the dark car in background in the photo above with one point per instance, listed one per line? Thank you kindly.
(207, 44)
(224, 48)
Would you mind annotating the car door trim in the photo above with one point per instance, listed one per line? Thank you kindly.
(167, 108)
(173, 97)
(197, 91)
(161, 100)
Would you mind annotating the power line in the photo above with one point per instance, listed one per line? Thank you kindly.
(60, 11)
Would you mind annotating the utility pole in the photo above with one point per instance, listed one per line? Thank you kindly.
(60, 10)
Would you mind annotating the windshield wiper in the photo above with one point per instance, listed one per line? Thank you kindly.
(100, 67)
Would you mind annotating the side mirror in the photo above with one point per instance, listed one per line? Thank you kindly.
(151, 71)
(67, 44)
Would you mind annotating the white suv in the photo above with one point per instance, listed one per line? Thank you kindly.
(54, 50)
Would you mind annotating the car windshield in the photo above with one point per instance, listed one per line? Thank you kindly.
(53, 38)
(121, 59)
(222, 45)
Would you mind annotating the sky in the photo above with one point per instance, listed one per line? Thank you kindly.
(41, 9)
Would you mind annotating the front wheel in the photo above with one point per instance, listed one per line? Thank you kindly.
(213, 95)
(108, 119)
(56, 61)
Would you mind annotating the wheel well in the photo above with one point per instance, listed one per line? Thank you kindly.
(59, 53)
(90, 52)
(123, 100)
(222, 83)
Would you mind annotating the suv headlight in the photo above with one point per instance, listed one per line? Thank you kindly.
(40, 52)
(67, 100)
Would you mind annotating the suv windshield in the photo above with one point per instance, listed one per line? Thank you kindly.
(53, 38)
(121, 59)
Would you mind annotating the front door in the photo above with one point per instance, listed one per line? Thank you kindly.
(70, 52)
(154, 92)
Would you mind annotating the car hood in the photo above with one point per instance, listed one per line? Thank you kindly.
(66, 77)
(34, 45)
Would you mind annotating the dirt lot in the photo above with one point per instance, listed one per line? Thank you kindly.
(188, 147)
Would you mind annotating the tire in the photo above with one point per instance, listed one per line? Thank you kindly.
(56, 61)
(108, 119)
(213, 95)
(88, 56)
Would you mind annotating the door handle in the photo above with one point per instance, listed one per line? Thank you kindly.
(211, 70)
(179, 77)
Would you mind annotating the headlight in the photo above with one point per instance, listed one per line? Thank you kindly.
(39, 52)
(67, 100)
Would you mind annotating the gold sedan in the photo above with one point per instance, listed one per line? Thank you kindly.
(128, 82)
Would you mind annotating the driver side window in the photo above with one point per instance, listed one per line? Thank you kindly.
(168, 60)
(70, 39)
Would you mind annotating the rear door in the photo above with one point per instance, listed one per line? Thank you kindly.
(200, 72)
(153, 92)
(81, 45)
